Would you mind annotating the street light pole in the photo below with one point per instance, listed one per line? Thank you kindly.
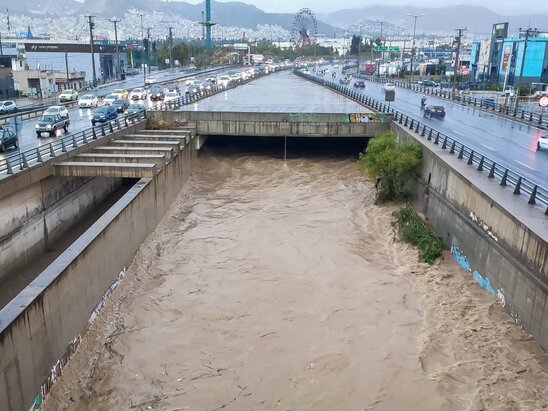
(170, 47)
(382, 52)
(415, 16)
(359, 50)
(91, 27)
(116, 21)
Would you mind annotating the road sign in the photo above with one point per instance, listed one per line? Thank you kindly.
(543, 102)
(386, 48)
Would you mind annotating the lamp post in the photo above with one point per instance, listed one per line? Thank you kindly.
(415, 16)
(116, 21)
(91, 27)
(359, 51)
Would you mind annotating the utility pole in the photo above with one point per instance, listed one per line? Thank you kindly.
(359, 50)
(170, 47)
(66, 67)
(457, 62)
(527, 34)
(116, 21)
(415, 16)
(91, 27)
(148, 49)
(382, 52)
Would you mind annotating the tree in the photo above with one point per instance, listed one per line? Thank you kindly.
(356, 41)
(391, 164)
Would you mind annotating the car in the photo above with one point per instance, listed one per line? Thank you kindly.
(193, 89)
(121, 104)
(445, 84)
(8, 106)
(68, 95)
(428, 83)
(50, 123)
(212, 78)
(109, 98)
(103, 114)
(135, 108)
(488, 102)
(388, 87)
(190, 81)
(121, 93)
(206, 86)
(61, 110)
(223, 81)
(138, 94)
(542, 143)
(87, 101)
(156, 93)
(173, 87)
(434, 111)
(171, 95)
(8, 138)
(359, 84)
(150, 80)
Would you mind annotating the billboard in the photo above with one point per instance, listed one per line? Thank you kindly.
(506, 58)
(71, 48)
(500, 31)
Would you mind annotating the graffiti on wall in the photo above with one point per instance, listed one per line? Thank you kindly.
(484, 282)
(365, 118)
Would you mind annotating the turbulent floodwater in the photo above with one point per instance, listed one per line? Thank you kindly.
(279, 286)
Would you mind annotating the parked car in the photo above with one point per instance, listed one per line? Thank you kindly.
(61, 110)
(120, 104)
(138, 94)
(445, 84)
(50, 123)
(121, 93)
(542, 143)
(68, 95)
(135, 108)
(109, 99)
(359, 84)
(388, 87)
(88, 101)
(150, 80)
(156, 93)
(8, 106)
(488, 102)
(434, 111)
(103, 114)
(428, 83)
(8, 138)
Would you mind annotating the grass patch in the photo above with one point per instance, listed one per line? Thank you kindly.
(155, 123)
(415, 231)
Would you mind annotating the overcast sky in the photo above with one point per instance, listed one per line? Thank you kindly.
(503, 7)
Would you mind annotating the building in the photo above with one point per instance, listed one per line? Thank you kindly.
(7, 88)
(534, 62)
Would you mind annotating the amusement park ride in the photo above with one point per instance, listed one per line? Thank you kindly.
(305, 28)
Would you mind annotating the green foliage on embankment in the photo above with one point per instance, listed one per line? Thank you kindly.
(415, 231)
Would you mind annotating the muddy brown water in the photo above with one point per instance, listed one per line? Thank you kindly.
(275, 285)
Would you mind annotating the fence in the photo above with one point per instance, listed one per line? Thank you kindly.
(521, 186)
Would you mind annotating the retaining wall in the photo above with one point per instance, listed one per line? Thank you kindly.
(38, 326)
(499, 238)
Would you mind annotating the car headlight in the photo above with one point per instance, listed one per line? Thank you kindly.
(48, 126)
(36, 126)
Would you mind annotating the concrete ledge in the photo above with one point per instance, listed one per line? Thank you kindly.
(158, 159)
(156, 137)
(93, 169)
(176, 145)
(166, 151)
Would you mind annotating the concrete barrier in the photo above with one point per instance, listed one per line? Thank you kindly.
(35, 330)
(498, 238)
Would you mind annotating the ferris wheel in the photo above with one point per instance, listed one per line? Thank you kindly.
(305, 28)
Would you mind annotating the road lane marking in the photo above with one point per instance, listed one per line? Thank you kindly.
(497, 135)
(487, 147)
(525, 165)
(456, 132)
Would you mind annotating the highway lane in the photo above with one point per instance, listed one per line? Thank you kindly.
(510, 143)
(80, 119)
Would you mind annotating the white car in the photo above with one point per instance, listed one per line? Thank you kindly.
(54, 110)
(8, 106)
(388, 87)
(109, 99)
(223, 81)
(171, 95)
(150, 80)
(542, 143)
(190, 81)
(138, 94)
(87, 101)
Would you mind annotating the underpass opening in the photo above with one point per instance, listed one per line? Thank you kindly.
(274, 147)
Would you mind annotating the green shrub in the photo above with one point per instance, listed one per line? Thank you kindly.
(391, 164)
(415, 231)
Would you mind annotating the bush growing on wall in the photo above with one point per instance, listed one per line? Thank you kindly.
(391, 164)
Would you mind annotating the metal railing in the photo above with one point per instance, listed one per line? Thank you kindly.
(540, 119)
(21, 160)
(521, 186)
